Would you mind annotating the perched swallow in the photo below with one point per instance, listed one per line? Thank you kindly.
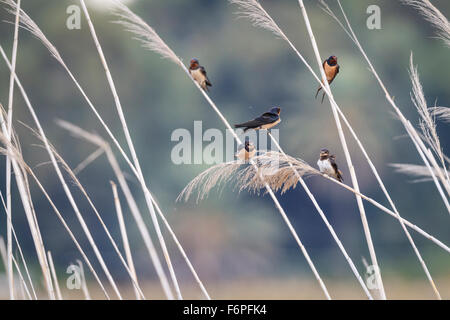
(327, 165)
(266, 121)
(331, 69)
(246, 151)
(199, 74)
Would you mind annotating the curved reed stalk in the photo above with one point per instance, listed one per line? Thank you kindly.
(64, 184)
(148, 197)
(124, 235)
(434, 16)
(54, 276)
(280, 178)
(8, 161)
(83, 191)
(151, 40)
(16, 157)
(252, 9)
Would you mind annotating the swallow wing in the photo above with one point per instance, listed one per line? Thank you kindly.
(203, 71)
(335, 168)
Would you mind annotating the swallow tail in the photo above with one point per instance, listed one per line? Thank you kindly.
(339, 176)
(320, 88)
(242, 126)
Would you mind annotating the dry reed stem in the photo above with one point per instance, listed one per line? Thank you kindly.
(8, 161)
(98, 141)
(147, 194)
(55, 278)
(123, 233)
(25, 197)
(105, 228)
(346, 153)
(19, 247)
(16, 156)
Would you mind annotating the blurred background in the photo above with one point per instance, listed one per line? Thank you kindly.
(238, 243)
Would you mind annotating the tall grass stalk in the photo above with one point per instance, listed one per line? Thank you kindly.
(105, 228)
(55, 278)
(123, 233)
(98, 141)
(22, 280)
(19, 247)
(151, 40)
(8, 161)
(148, 197)
(24, 193)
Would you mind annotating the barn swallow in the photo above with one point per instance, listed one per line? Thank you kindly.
(327, 164)
(331, 69)
(246, 151)
(266, 121)
(198, 72)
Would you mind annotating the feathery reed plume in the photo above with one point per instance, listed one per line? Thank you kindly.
(442, 113)
(244, 178)
(12, 151)
(427, 122)
(434, 16)
(252, 10)
(143, 32)
(269, 190)
(77, 183)
(98, 141)
(418, 171)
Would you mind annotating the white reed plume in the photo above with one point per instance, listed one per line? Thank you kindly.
(434, 16)
(134, 19)
(427, 122)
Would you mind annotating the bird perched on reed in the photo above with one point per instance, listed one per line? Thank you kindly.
(266, 121)
(331, 68)
(198, 72)
(246, 151)
(327, 164)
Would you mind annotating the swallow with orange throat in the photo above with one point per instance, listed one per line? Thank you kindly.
(331, 68)
(266, 121)
(198, 73)
(327, 164)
